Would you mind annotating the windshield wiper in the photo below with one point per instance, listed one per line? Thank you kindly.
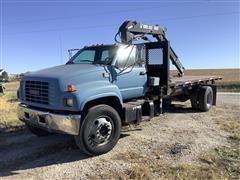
(106, 61)
(85, 60)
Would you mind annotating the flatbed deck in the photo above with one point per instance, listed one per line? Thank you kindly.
(191, 80)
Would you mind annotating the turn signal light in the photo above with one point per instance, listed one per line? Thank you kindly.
(71, 88)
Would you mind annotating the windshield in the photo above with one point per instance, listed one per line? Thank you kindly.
(94, 55)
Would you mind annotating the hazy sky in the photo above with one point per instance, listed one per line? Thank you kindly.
(36, 34)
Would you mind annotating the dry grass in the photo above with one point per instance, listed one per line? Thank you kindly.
(226, 158)
(8, 108)
(228, 75)
(146, 168)
(12, 86)
(230, 81)
(219, 163)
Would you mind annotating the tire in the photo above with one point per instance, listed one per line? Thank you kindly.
(194, 99)
(99, 131)
(37, 131)
(205, 98)
(4, 76)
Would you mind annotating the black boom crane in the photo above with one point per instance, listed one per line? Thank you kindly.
(131, 30)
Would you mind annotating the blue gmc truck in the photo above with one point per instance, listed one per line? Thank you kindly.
(104, 87)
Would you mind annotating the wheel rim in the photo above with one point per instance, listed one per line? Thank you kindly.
(100, 131)
(209, 99)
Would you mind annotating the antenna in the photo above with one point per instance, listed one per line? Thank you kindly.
(60, 46)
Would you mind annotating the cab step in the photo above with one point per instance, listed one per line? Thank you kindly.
(137, 111)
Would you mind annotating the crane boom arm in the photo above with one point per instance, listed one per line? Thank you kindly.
(131, 30)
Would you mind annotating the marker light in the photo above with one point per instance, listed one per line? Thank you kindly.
(71, 88)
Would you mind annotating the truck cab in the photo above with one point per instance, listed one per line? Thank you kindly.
(91, 71)
(121, 62)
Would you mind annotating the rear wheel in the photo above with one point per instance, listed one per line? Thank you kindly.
(99, 131)
(205, 98)
(37, 131)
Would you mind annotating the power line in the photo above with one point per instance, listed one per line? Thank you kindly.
(113, 25)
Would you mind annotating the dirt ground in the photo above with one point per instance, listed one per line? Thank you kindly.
(174, 145)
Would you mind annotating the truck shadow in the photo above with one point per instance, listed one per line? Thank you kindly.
(22, 150)
(179, 108)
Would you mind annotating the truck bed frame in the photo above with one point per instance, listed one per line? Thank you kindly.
(186, 81)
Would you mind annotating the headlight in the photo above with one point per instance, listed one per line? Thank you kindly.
(68, 102)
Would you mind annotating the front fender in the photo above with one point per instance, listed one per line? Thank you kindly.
(95, 90)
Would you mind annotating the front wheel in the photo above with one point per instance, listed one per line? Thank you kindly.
(99, 131)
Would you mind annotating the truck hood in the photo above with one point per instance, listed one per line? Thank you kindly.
(87, 78)
(66, 71)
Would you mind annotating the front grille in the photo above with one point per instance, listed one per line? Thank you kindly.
(37, 92)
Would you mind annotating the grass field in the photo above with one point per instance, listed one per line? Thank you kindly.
(8, 108)
(228, 75)
(229, 83)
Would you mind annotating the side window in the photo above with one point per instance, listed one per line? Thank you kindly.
(155, 56)
(105, 54)
(141, 56)
(126, 57)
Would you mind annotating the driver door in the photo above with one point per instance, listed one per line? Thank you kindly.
(131, 72)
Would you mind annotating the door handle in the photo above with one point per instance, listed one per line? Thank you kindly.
(142, 73)
(105, 75)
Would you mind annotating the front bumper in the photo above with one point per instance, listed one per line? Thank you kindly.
(68, 124)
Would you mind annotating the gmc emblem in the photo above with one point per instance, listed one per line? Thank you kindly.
(35, 92)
